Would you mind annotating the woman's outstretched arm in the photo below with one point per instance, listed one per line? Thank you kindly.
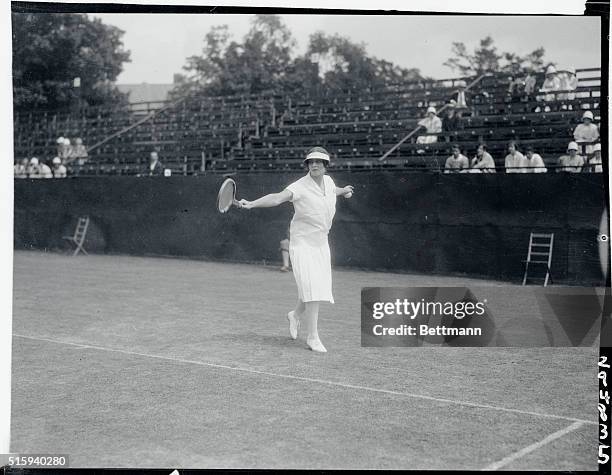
(267, 201)
(347, 191)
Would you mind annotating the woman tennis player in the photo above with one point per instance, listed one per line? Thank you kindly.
(314, 201)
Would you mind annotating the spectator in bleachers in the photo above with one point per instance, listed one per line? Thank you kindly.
(21, 168)
(595, 161)
(451, 121)
(572, 162)
(456, 162)
(155, 168)
(567, 82)
(38, 169)
(515, 160)
(79, 153)
(59, 170)
(533, 162)
(432, 124)
(551, 85)
(586, 133)
(461, 99)
(483, 161)
(64, 149)
(530, 85)
(60, 145)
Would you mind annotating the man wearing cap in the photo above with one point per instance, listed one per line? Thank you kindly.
(534, 162)
(587, 132)
(572, 162)
(456, 162)
(595, 161)
(314, 202)
(432, 124)
(483, 161)
(59, 170)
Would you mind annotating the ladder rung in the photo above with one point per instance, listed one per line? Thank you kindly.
(533, 253)
(538, 262)
(548, 236)
(540, 245)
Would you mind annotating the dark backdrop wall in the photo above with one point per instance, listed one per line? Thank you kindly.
(477, 225)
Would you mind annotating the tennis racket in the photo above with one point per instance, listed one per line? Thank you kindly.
(227, 196)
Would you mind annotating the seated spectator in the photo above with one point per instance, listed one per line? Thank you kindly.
(456, 162)
(21, 168)
(572, 162)
(551, 85)
(587, 132)
(530, 84)
(483, 161)
(60, 145)
(155, 168)
(432, 124)
(38, 169)
(533, 162)
(595, 161)
(64, 150)
(451, 121)
(59, 170)
(567, 82)
(514, 161)
(79, 153)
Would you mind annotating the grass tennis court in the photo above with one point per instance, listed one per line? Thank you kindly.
(150, 362)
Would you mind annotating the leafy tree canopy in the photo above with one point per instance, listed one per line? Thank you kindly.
(486, 58)
(50, 50)
(265, 61)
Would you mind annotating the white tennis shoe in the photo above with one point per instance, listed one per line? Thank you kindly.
(294, 324)
(316, 345)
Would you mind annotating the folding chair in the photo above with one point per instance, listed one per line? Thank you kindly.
(540, 252)
(78, 238)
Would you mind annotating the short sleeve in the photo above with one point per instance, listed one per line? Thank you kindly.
(330, 182)
(294, 188)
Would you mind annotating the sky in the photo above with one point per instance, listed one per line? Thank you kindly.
(160, 43)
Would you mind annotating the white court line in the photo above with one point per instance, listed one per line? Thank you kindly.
(315, 380)
(530, 448)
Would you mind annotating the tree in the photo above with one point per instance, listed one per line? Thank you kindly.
(50, 50)
(343, 64)
(485, 58)
(263, 61)
(259, 63)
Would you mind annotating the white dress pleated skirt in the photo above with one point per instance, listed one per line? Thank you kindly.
(312, 271)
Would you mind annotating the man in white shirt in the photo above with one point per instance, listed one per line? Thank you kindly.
(456, 162)
(514, 161)
(533, 162)
(587, 132)
(483, 161)
(572, 162)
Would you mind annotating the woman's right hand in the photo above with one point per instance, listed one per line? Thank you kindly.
(245, 204)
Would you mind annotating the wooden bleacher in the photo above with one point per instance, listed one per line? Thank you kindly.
(272, 132)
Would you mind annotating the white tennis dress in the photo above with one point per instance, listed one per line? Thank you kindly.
(308, 245)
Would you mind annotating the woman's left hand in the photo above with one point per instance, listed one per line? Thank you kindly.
(348, 191)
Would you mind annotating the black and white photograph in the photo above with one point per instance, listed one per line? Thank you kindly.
(291, 238)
